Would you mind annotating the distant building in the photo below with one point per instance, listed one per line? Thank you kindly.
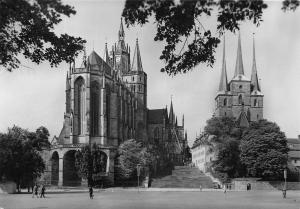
(106, 104)
(202, 152)
(240, 98)
(294, 151)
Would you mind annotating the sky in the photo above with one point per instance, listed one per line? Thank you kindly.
(34, 95)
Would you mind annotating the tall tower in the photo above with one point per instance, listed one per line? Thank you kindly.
(223, 98)
(122, 52)
(256, 111)
(136, 80)
(240, 85)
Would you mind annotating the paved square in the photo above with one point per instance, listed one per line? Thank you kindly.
(176, 200)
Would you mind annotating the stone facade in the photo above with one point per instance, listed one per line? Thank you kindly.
(106, 104)
(240, 98)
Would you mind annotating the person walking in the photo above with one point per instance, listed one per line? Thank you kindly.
(43, 191)
(91, 192)
(36, 191)
(33, 190)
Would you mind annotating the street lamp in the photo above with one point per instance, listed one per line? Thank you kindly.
(285, 177)
(138, 169)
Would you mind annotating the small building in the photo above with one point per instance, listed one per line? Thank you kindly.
(202, 152)
(294, 151)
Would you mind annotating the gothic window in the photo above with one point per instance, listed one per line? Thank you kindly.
(156, 135)
(139, 88)
(225, 114)
(255, 102)
(134, 88)
(132, 78)
(95, 98)
(257, 116)
(103, 162)
(225, 102)
(240, 87)
(240, 100)
(79, 104)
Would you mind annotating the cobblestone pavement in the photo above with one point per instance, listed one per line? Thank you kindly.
(176, 200)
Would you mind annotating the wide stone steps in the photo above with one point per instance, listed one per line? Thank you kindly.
(183, 177)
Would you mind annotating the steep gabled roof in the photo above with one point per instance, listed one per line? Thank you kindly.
(94, 59)
(243, 120)
(156, 116)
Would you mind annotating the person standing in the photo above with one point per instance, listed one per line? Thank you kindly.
(91, 192)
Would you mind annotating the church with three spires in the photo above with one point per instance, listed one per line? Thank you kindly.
(241, 97)
(106, 104)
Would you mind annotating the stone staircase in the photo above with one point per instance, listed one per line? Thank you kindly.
(183, 177)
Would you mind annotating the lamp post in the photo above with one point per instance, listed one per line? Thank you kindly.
(138, 169)
(285, 177)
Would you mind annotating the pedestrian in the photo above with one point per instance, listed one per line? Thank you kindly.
(224, 187)
(36, 190)
(200, 188)
(33, 190)
(91, 192)
(43, 191)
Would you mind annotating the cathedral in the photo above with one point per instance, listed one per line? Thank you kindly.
(241, 97)
(106, 104)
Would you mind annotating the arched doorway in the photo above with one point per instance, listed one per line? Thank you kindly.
(103, 161)
(54, 168)
(70, 176)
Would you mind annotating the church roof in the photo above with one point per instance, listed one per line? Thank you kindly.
(239, 68)
(223, 86)
(137, 61)
(156, 116)
(94, 59)
(294, 154)
(242, 120)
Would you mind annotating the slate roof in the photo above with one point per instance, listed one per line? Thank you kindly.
(156, 116)
(293, 140)
(294, 154)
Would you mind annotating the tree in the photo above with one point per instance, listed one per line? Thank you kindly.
(225, 143)
(88, 162)
(130, 154)
(179, 25)
(27, 28)
(264, 150)
(20, 161)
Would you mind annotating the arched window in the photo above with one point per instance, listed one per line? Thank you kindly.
(225, 114)
(95, 108)
(79, 106)
(240, 87)
(255, 102)
(240, 99)
(225, 102)
(257, 116)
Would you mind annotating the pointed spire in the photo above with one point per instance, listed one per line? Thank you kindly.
(137, 61)
(254, 77)
(176, 121)
(239, 68)
(171, 114)
(106, 55)
(121, 35)
(121, 31)
(223, 86)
